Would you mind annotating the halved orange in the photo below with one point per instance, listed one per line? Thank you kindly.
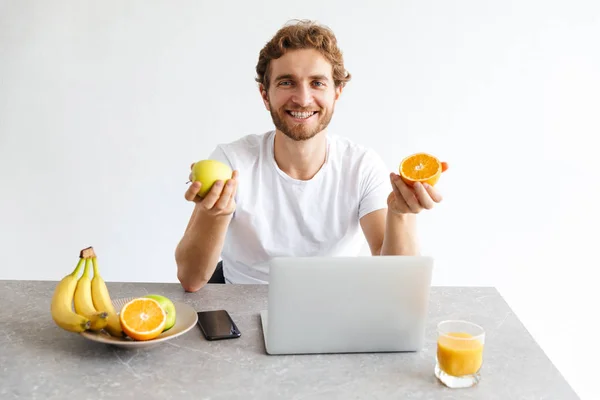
(142, 319)
(420, 167)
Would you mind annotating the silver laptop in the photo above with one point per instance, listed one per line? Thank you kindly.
(347, 304)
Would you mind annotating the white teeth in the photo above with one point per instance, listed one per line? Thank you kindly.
(302, 115)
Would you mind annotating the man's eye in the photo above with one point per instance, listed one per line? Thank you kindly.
(285, 83)
(319, 84)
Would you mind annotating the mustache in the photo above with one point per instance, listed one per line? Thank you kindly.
(301, 109)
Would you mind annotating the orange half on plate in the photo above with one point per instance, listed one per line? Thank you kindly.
(142, 319)
(420, 167)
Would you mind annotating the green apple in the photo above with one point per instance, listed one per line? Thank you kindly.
(169, 308)
(208, 172)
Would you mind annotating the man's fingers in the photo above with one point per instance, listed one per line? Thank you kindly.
(434, 194)
(233, 179)
(213, 195)
(395, 187)
(412, 201)
(423, 196)
(233, 193)
(397, 196)
(223, 201)
(190, 178)
(408, 195)
(192, 191)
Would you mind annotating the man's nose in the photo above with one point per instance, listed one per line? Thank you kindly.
(303, 96)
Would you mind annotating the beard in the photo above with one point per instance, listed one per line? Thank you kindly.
(299, 131)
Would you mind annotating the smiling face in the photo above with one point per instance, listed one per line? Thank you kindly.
(302, 94)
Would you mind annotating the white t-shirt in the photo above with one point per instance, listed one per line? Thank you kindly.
(277, 215)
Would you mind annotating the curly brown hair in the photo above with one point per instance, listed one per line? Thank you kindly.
(304, 34)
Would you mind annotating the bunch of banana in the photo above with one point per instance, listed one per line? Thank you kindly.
(90, 298)
(84, 305)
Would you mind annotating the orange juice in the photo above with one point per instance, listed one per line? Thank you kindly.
(459, 355)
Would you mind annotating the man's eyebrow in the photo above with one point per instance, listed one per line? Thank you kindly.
(284, 76)
(319, 77)
(312, 77)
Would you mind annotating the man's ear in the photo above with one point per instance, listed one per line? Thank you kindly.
(264, 96)
(338, 91)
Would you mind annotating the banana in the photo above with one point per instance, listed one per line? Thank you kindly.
(102, 302)
(98, 321)
(83, 302)
(61, 306)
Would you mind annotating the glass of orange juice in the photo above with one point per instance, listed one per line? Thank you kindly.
(459, 353)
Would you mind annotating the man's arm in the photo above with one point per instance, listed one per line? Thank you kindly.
(390, 234)
(198, 251)
(394, 231)
(400, 235)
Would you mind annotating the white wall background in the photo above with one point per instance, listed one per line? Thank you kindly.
(103, 106)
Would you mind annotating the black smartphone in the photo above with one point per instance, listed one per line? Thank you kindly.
(217, 324)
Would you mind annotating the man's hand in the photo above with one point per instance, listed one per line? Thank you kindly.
(412, 200)
(220, 200)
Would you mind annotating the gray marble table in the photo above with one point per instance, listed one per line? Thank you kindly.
(40, 361)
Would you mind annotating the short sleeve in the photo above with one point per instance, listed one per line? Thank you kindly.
(219, 155)
(375, 185)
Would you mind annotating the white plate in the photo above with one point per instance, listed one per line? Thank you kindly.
(186, 318)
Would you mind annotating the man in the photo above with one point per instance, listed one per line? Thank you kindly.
(297, 190)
